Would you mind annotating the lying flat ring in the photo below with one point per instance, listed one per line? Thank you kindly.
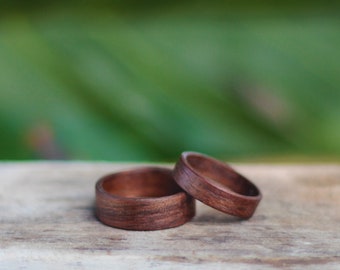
(142, 199)
(216, 184)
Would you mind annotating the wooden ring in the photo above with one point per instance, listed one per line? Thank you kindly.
(216, 184)
(142, 199)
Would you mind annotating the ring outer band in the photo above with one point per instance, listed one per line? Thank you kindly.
(143, 213)
(213, 193)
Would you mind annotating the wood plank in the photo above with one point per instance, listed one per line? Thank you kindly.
(47, 222)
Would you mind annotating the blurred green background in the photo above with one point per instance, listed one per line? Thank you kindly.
(143, 81)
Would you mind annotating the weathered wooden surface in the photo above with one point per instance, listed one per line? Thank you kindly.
(47, 222)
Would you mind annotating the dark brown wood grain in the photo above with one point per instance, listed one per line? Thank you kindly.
(216, 184)
(142, 199)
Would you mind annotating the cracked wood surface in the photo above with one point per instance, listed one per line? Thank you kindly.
(47, 222)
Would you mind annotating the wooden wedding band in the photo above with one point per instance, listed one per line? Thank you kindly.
(216, 184)
(142, 199)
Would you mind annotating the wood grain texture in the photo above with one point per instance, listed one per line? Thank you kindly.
(142, 199)
(216, 184)
(47, 222)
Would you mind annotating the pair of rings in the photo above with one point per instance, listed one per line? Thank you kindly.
(154, 198)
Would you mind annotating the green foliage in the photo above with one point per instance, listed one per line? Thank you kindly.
(146, 85)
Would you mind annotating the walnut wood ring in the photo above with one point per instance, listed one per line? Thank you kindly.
(142, 199)
(216, 184)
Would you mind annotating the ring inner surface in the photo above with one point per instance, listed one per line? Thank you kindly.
(222, 176)
(146, 184)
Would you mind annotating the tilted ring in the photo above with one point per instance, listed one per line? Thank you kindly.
(216, 184)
